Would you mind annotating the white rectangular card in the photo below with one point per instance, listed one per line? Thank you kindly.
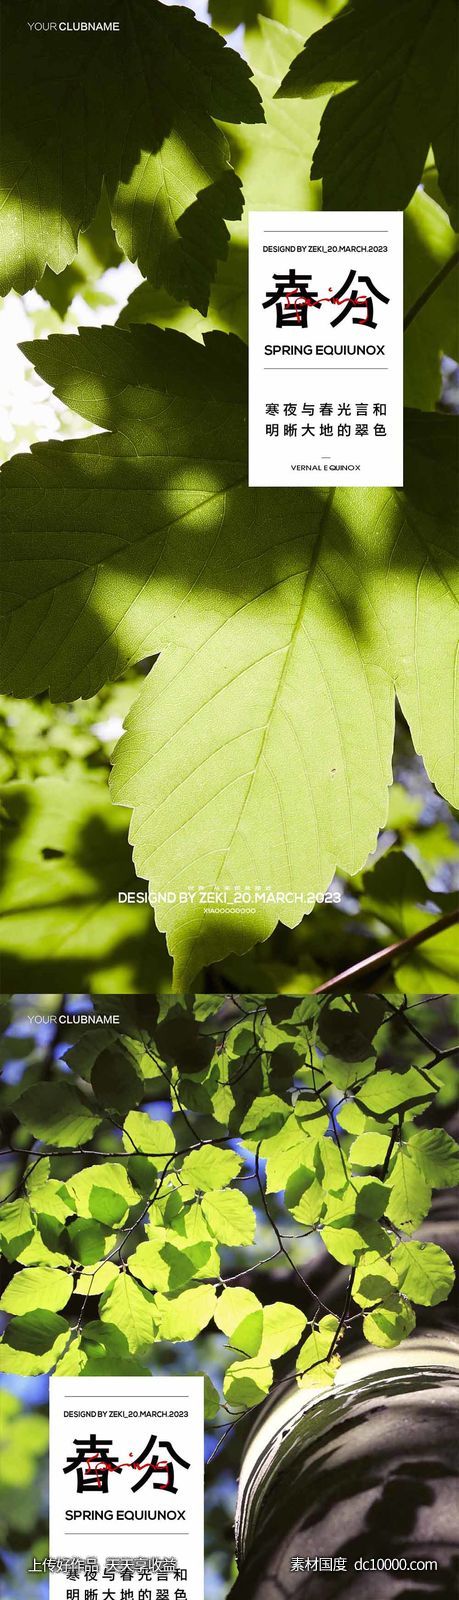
(126, 1480)
(325, 348)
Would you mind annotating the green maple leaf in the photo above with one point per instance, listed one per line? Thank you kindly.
(259, 750)
(390, 71)
(272, 160)
(157, 86)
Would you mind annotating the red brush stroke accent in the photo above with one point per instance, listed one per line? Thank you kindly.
(92, 1463)
(333, 299)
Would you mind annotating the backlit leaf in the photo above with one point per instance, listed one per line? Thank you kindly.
(230, 1216)
(35, 1287)
(425, 1272)
(390, 1323)
(204, 756)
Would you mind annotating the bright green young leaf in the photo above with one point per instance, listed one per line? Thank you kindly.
(390, 1323)
(148, 1264)
(312, 1116)
(24, 1438)
(156, 87)
(425, 1272)
(187, 1315)
(346, 1074)
(211, 1397)
(82, 1055)
(386, 1091)
(247, 1382)
(345, 1238)
(107, 1207)
(35, 1287)
(168, 1266)
(369, 1149)
(283, 1326)
(371, 1197)
(265, 1119)
(181, 1213)
(410, 1195)
(49, 1200)
(55, 1241)
(230, 1216)
(38, 1253)
(210, 1168)
(16, 1228)
(263, 1332)
(351, 1118)
(37, 1175)
(132, 1309)
(94, 1187)
(106, 1350)
(233, 1305)
(316, 1365)
(57, 1113)
(73, 1362)
(105, 1338)
(97, 251)
(433, 967)
(375, 1279)
(304, 1196)
(205, 754)
(330, 1165)
(199, 1260)
(285, 1153)
(126, 1366)
(390, 72)
(88, 1241)
(437, 1156)
(96, 1278)
(247, 1337)
(33, 1343)
(149, 1135)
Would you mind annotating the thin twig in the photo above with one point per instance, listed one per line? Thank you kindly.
(278, 1236)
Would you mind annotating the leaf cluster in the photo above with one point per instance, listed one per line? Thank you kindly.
(316, 1114)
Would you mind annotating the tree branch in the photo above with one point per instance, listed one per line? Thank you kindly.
(430, 289)
(383, 958)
